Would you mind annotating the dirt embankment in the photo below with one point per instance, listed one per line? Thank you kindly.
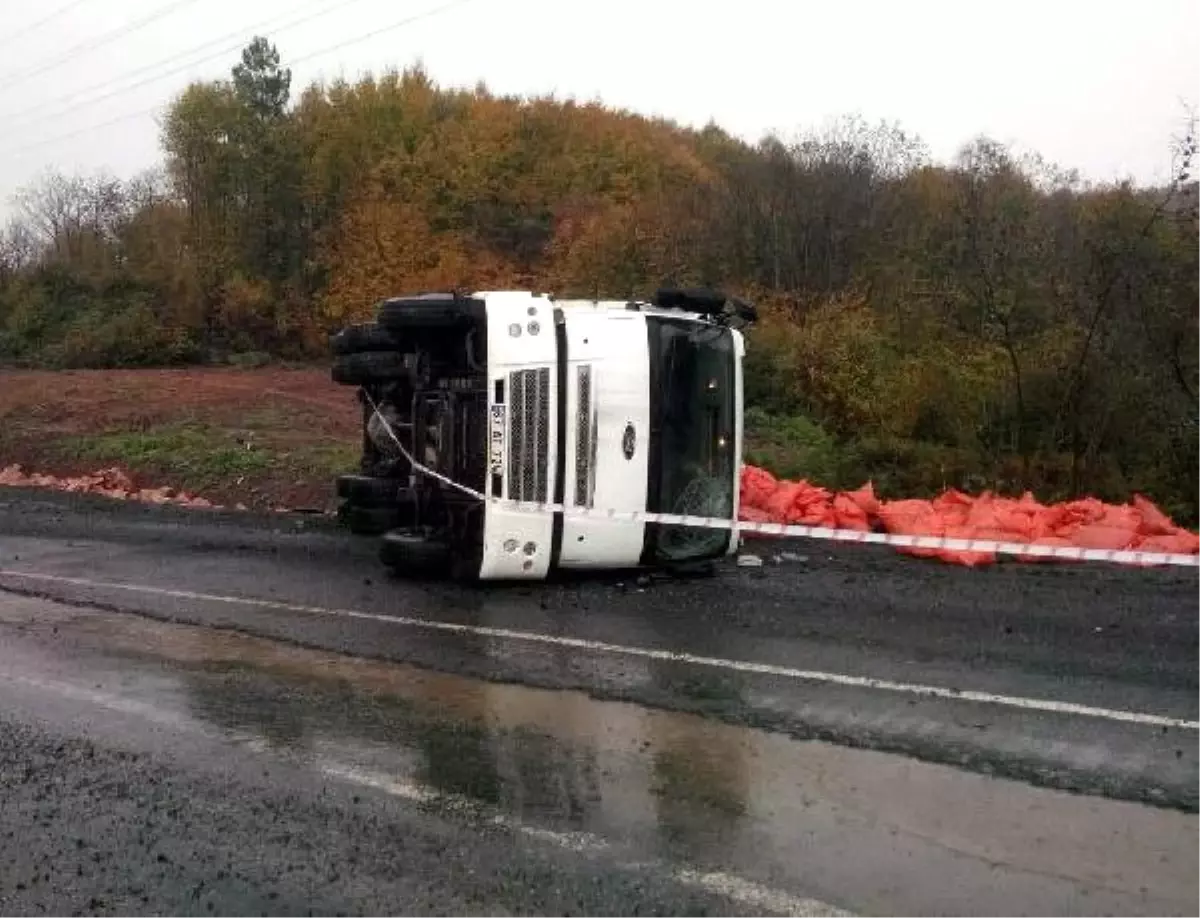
(262, 437)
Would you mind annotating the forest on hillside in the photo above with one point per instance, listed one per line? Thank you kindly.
(993, 322)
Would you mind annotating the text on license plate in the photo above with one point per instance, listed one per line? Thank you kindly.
(496, 438)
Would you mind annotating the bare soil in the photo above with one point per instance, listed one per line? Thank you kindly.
(263, 437)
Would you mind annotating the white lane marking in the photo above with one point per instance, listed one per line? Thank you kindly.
(116, 703)
(735, 888)
(763, 898)
(579, 842)
(647, 653)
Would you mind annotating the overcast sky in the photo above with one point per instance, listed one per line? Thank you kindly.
(1099, 86)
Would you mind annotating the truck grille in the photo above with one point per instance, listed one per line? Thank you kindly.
(585, 438)
(529, 435)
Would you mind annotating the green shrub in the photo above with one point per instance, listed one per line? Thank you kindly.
(249, 359)
(914, 468)
(794, 446)
(200, 455)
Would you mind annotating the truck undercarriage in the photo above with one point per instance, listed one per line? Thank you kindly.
(423, 365)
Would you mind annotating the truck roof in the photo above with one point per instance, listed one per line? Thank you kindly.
(700, 305)
(600, 305)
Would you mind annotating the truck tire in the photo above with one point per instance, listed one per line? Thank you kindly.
(366, 367)
(701, 300)
(369, 521)
(429, 310)
(412, 555)
(354, 339)
(369, 491)
(372, 465)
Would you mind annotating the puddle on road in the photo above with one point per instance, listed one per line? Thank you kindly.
(675, 786)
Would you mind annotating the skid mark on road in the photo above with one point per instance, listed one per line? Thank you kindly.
(1044, 705)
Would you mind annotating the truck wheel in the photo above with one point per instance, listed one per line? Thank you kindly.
(429, 310)
(354, 339)
(369, 520)
(369, 491)
(411, 554)
(700, 300)
(367, 367)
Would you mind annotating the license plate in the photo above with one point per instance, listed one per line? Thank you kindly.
(498, 428)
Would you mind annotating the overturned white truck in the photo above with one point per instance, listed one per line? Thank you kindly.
(474, 401)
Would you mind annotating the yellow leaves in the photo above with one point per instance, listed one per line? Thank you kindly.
(843, 361)
(591, 249)
(484, 174)
(838, 358)
(386, 249)
(625, 249)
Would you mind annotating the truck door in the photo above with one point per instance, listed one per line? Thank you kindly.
(607, 435)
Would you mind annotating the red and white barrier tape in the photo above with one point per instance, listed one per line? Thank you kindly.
(784, 530)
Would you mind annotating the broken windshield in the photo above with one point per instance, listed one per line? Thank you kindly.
(693, 459)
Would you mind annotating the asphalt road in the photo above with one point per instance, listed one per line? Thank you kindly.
(877, 734)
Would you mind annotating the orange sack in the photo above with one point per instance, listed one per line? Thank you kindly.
(1083, 523)
(757, 486)
(1153, 521)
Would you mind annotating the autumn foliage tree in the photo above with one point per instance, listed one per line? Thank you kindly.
(988, 322)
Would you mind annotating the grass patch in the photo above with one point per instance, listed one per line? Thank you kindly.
(325, 460)
(231, 436)
(200, 455)
(269, 418)
(216, 462)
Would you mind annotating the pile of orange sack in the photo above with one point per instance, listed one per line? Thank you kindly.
(112, 483)
(1083, 523)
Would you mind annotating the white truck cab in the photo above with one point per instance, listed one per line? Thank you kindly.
(558, 404)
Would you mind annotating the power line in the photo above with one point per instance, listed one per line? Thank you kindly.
(326, 50)
(388, 28)
(85, 130)
(92, 44)
(33, 27)
(228, 42)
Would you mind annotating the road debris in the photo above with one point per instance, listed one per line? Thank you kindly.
(111, 482)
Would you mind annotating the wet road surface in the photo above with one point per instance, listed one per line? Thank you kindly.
(237, 754)
(161, 767)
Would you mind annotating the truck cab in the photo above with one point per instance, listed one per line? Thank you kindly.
(492, 420)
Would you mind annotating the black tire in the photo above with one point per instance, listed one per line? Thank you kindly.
(700, 300)
(411, 554)
(368, 491)
(429, 310)
(354, 339)
(369, 520)
(369, 367)
(397, 469)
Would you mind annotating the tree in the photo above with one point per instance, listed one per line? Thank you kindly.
(385, 247)
(1001, 259)
(989, 321)
(260, 83)
(18, 249)
(236, 160)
